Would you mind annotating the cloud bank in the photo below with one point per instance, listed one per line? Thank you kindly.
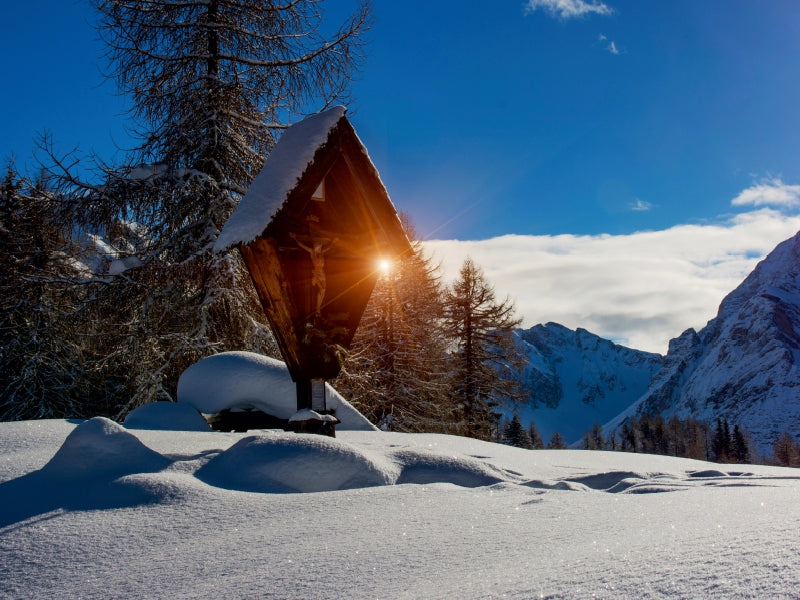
(769, 192)
(640, 289)
(568, 9)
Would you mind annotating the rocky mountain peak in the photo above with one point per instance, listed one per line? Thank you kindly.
(744, 364)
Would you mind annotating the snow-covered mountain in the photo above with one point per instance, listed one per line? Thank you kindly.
(578, 379)
(744, 364)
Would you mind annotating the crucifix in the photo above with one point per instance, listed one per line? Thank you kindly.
(316, 246)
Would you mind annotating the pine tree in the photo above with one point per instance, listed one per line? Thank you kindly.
(514, 434)
(786, 451)
(556, 442)
(39, 366)
(396, 373)
(211, 85)
(740, 449)
(696, 434)
(594, 439)
(488, 362)
(630, 436)
(677, 436)
(721, 443)
(536, 438)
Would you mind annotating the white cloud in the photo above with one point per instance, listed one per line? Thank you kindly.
(640, 289)
(568, 9)
(769, 192)
(611, 46)
(640, 205)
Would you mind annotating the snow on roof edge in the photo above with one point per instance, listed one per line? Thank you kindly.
(283, 168)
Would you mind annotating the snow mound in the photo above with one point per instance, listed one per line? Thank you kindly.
(240, 380)
(422, 467)
(296, 463)
(168, 416)
(100, 448)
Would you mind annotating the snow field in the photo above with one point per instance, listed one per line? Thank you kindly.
(441, 517)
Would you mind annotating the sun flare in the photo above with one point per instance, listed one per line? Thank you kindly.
(384, 265)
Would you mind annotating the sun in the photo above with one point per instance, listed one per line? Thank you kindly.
(384, 266)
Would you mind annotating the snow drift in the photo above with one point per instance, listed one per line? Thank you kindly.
(238, 380)
(213, 515)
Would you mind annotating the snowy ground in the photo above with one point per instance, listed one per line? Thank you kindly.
(95, 510)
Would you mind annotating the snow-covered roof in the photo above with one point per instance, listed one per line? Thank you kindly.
(283, 168)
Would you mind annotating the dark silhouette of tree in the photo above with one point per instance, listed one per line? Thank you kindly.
(514, 434)
(211, 84)
(740, 448)
(556, 442)
(629, 435)
(537, 443)
(40, 370)
(594, 439)
(786, 452)
(653, 435)
(721, 443)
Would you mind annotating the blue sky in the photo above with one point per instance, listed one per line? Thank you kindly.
(538, 118)
(533, 123)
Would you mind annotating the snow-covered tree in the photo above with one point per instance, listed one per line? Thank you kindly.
(39, 349)
(487, 361)
(211, 84)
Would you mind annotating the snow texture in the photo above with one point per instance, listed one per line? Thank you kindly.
(120, 265)
(102, 448)
(283, 168)
(92, 510)
(241, 380)
(174, 416)
(306, 414)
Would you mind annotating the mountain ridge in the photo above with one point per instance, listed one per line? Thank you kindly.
(744, 365)
(578, 378)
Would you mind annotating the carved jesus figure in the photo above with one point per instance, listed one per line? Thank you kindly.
(316, 247)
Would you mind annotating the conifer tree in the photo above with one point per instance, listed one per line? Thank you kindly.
(39, 365)
(514, 434)
(536, 438)
(721, 444)
(786, 451)
(594, 439)
(629, 435)
(396, 373)
(488, 362)
(740, 449)
(211, 84)
(556, 442)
